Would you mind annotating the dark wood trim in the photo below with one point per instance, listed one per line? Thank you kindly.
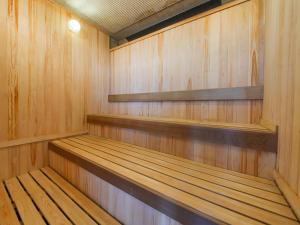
(217, 94)
(163, 205)
(241, 135)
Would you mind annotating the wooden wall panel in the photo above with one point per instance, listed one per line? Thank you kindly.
(222, 49)
(282, 84)
(44, 69)
(109, 197)
(20, 159)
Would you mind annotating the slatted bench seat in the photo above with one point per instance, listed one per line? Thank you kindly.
(188, 191)
(44, 197)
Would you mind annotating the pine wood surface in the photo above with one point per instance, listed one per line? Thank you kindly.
(222, 49)
(42, 197)
(179, 187)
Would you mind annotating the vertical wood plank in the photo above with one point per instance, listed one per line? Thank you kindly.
(223, 49)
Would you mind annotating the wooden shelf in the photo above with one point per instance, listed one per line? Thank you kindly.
(24, 141)
(218, 94)
(243, 135)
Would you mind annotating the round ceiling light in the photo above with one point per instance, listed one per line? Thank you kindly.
(74, 26)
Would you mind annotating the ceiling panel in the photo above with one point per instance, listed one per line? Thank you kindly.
(116, 15)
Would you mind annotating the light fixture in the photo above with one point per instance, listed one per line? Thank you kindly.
(74, 26)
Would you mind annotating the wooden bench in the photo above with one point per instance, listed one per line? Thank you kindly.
(43, 197)
(254, 136)
(188, 191)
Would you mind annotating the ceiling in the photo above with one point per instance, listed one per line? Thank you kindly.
(121, 18)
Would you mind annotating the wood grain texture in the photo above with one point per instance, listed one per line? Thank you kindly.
(222, 49)
(170, 189)
(73, 211)
(26, 208)
(44, 69)
(14, 143)
(241, 135)
(44, 72)
(91, 208)
(7, 213)
(188, 20)
(20, 159)
(141, 192)
(27, 197)
(282, 84)
(108, 196)
(216, 94)
(188, 163)
(46, 206)
(289, 194)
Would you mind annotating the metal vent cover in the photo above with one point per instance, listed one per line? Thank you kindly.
(116, 15)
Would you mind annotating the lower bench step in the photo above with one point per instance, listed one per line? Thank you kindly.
(44, 197)
(187, 191)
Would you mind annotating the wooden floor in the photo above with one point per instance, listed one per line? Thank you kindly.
(215, 194)
(43, 197)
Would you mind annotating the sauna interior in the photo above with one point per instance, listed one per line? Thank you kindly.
(149, 112)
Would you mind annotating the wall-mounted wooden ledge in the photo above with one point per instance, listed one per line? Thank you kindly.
(25, 141)
(217, 94)
(243, 135)
(292, 198)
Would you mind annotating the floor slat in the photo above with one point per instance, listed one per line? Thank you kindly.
(47, 207)
(44, 197)
(7, 213)
(89, 206)
(70, 208)
(27, 210)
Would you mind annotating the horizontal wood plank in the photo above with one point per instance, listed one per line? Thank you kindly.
(217, 94)
(8, 144)
(189, 185)
(169, 189)
(186, 163)
(170, 202)
(139, 165)
(161, 163)
(243, 135)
